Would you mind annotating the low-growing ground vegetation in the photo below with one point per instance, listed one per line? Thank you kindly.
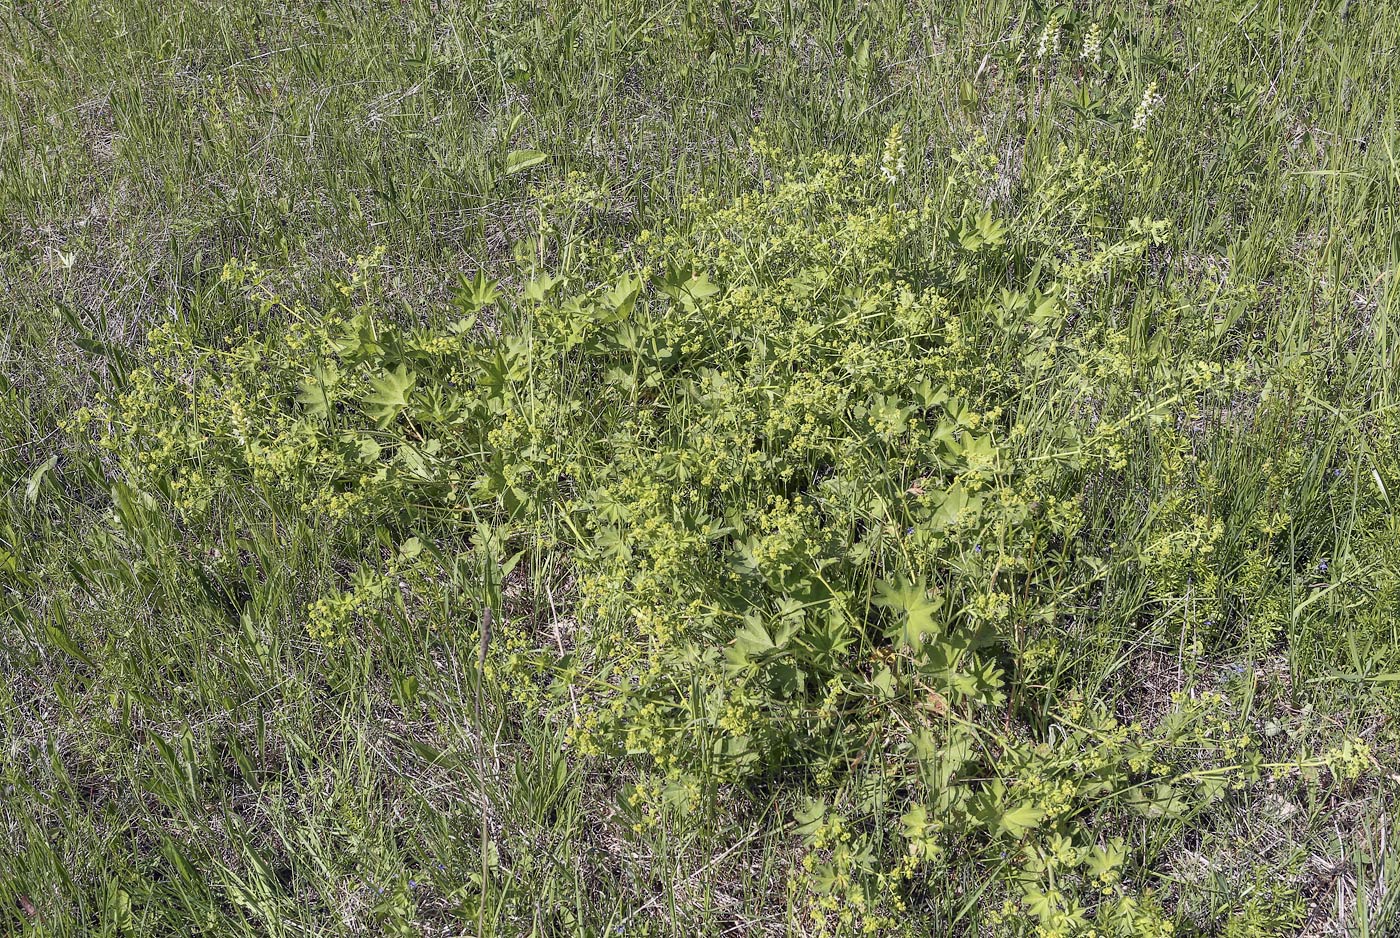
(699, 468)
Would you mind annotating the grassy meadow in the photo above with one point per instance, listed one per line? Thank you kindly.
(699, 467)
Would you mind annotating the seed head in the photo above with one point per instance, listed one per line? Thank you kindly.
(1151, 100)
(1093, 44)
(892, 160)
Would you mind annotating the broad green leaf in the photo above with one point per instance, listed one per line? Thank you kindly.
(62, 641)
(913, 822)
(1019, 820)
(687, 286)
(754, 644)
(314, 391)
(36, 479)
(390, 394)
(623, 296)
(955, 507)
(1107, 859)
(810, 816)
(478, 292)
(700, 286)
(910, 597)
(312, 394)
(539, 288)
(520, 160)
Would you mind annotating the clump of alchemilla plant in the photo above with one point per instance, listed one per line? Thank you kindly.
(817, 462)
